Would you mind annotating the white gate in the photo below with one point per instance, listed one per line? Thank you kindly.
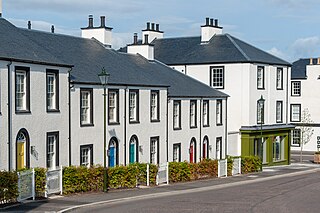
(26, 185)
(53, 181)
(222, 168)
(163, 174)
(236, 168)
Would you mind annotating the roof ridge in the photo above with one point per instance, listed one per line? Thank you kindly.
(237, 46)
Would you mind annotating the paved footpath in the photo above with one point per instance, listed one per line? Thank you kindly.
(71, 203)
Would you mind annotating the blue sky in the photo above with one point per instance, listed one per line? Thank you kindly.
(287, 28)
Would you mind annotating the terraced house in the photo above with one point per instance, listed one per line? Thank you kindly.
(52, 104)
(241, 70)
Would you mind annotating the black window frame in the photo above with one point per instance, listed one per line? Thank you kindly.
(179, 154)
(263, 78)
(211, 77)
(281, 112)
(56, 134)
(157, 119)
(26, 70)
(195, 102)
(208, 113)
(179, 117)
(292, 89)
(281, 82)
(90, 123)
(219, 122)
(136, 120)
(56, 74)
(262, 116)
(157, 147)
(117, 122)
(291, 106)
(90, 146)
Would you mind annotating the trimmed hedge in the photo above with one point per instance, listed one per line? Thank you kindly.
(8, 187)
(250, 164)
(40, 179)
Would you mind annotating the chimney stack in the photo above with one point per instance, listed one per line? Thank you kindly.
(318, 60)
(52, 29)
(135, 38)
(157, 28)
(148, 25)
(153, 32)
(103, 21)
(210, 29)
(311, 61)
(146, 36)
(29, 25)
(90, 21)
(0, 8)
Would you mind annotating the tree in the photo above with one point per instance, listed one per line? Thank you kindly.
(306, 129)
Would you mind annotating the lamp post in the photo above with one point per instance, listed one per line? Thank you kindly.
(104, 77)
(261, 106)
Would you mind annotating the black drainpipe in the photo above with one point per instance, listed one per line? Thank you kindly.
(167, 127)
(69, 100)
(125, 127)
(200, 119)
(9, 116)
(226, 129)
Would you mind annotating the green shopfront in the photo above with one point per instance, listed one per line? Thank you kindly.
(273, 141)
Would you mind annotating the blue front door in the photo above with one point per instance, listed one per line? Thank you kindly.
(112, 156)
(132, 153)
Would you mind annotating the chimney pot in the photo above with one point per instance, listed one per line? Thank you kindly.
(135, 38)
(29, 25)
(207, 21)
(152, 26)
(103, 21)
(319, 60)
(216, 24)
(52, 29)
(311, 61)
(146, 39)
(211, 22)
(90, 21)
(148, 25)
(157, 28)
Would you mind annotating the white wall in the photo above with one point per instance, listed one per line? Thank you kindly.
(38, 122)
(310, 100)
(101, 34)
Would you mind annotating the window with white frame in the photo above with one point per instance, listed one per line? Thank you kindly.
(296, 137)
(86, 155)
(295, 88)
(205, 112)
(52, 90)
(177, 152)
(154, 150)
(113, 108)
(279, 83)
(52, 150)
(217, 77)
(22, 89)
(133, 106)
(154, 106)
(176, 114)
(86, 104)
(260, 77)
(193, 113)
(279, 112)
(219, 112)
(295, 112)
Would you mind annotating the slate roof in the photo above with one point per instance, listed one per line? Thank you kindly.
(88, 56)
(222, 48)
(299, 68)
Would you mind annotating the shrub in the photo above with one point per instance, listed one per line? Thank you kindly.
(8, 187)
(179, 171)
(40, 179)
(250, 164)
(229, 165)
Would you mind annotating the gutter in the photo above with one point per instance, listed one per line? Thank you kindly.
(9, 117)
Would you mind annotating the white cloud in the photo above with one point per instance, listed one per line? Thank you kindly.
(276, 52)
(306, 47)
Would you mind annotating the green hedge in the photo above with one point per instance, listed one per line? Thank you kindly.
(8, 187)
(40, 179)
(250, 164)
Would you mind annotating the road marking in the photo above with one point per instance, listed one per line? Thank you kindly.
(188, 191)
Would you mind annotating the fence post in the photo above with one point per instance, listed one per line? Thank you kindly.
(61, 180)
(167, 172)
(46, 186)
(239, 165)
(226, 167)
(19, 186)
(219, 168)
(148, 176)
(33, 185)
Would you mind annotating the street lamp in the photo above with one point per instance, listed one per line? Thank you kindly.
(261, 107)
(104, 77)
